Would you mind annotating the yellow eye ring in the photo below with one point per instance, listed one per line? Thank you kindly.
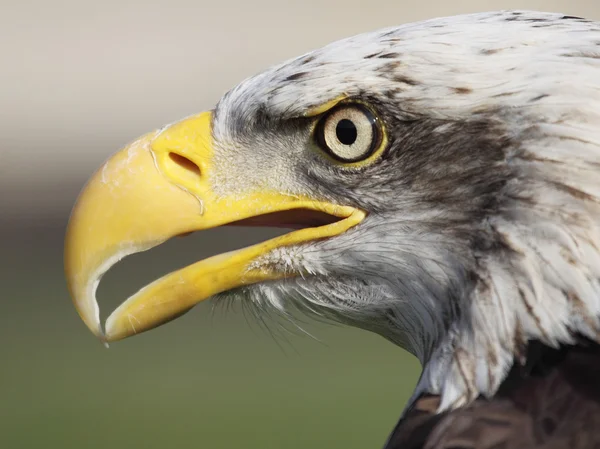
(350, 133)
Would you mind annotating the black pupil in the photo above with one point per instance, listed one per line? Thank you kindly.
(346, 132)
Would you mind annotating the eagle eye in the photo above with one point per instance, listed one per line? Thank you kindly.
(349, 132)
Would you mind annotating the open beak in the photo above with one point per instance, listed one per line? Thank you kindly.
(160, 187)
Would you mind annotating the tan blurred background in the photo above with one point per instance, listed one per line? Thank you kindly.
(78, 80)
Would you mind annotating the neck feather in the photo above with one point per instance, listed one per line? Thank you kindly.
(544, 285)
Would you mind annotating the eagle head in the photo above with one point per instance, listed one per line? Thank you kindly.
(441, 180)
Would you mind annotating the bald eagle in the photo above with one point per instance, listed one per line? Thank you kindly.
(443, 182)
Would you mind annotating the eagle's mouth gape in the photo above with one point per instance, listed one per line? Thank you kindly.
(159, 188)
(285, 221)
(291, 219)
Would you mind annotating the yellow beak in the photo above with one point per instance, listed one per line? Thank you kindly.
(160, 187)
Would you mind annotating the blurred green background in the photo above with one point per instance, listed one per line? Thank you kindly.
(78, 80)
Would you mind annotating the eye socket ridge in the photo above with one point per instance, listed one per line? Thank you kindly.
(350, 132)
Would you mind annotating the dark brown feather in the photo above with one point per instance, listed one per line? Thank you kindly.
(553, 402)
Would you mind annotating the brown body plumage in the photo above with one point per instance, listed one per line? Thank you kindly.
(551, 402)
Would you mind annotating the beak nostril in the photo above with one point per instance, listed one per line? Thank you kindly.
(185, 163)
